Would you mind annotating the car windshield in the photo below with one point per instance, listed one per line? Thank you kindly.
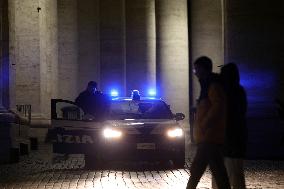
(142, 109)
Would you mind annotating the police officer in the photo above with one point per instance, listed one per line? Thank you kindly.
(93, 102)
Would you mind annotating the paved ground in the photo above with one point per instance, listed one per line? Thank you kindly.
(36, 170)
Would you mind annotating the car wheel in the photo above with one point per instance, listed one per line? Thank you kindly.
(164, 164)
(179, 163)
(93, 162)
(89, 161)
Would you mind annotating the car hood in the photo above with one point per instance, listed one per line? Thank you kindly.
(140, 122)
(131, 126)
(142, 126)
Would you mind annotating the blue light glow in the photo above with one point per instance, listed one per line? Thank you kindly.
(261, 89)
(114, 93)
(152, 92)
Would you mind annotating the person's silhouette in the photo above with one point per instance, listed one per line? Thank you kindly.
(209, 126)
(236, 129)
(93, 102)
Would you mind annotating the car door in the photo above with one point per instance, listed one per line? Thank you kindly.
(71, 130)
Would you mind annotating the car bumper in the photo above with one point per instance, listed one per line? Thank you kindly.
(128, 147)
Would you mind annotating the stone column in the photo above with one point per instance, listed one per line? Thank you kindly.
(4, 55)
(12, 53)
(172, 53)
(67, 49)
(89, 42)
(140, 46)
(207, 34)
(48, 54)
(25, 54)
(112, 45)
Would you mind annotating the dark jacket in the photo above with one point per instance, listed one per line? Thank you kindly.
(210, 122)
(95, 104)
(236, 129)
(86, 100)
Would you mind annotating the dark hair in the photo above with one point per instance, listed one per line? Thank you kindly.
(92, 84)
(204, 62)
(230, 73)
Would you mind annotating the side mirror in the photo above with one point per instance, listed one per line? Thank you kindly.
(179, 116)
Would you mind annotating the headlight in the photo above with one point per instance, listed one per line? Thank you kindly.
(176, 132)
(111, 133)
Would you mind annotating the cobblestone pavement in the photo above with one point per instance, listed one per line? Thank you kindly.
(36, 170)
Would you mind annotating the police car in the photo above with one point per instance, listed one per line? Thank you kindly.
(134, 129)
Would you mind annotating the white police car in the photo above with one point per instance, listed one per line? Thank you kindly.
(134, 129)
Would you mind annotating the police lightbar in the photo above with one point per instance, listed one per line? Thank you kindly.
(114, 93)
(152, 92)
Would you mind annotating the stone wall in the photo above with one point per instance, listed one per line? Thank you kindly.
(67, 48)
(254, 40)
(140, 46)
(88, 43)
(112, 45)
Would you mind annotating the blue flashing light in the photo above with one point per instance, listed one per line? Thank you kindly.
(114, 93)
(152, 92)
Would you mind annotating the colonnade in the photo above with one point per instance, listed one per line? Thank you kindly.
(57, 46)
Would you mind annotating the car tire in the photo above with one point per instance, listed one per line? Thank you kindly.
(164, 164)
(93, 162)
(179, 163)
(90, 161)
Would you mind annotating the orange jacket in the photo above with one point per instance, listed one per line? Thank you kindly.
(211, 115)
